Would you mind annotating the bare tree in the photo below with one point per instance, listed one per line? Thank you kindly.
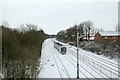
(81, 30)
(28, 27)
(31, 27)
(89, 26)
(84, 29)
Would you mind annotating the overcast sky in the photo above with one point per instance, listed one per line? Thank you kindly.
(55, 15)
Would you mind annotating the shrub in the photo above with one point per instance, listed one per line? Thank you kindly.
(21, 52)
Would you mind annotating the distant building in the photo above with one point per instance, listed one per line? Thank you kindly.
(107, 35)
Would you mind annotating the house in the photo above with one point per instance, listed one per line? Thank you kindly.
(107, 35)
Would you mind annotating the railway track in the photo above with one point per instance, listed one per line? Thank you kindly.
(72, 64)
(57, 66)
(60, 69)
(64, 67)
(90, 67)
(97, 72)
(93, 59)
(76, 67)
(105, 61)
(83, 68)
(98, 62)
(103, 65)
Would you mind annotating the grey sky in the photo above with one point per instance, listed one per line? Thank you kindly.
(55, 15)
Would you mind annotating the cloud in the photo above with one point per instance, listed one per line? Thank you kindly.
(57, 15)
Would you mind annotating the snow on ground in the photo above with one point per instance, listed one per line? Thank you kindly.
(56, 65)
(47, 60)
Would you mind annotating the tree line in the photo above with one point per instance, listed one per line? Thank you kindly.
(21, 51)
(85, 29)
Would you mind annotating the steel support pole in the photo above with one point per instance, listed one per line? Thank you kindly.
(77, 54)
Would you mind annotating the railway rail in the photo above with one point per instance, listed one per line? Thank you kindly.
(81, 67)
(58, 65)
(99, 67)
(98, 63)
(90, 67)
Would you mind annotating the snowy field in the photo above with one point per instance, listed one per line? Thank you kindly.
(56, 65)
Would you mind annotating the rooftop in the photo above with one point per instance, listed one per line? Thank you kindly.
(109, 33)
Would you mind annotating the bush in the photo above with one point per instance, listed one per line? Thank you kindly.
(107, 48)
(21, 52)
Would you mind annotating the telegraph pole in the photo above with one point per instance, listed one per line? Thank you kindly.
(77, 53)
